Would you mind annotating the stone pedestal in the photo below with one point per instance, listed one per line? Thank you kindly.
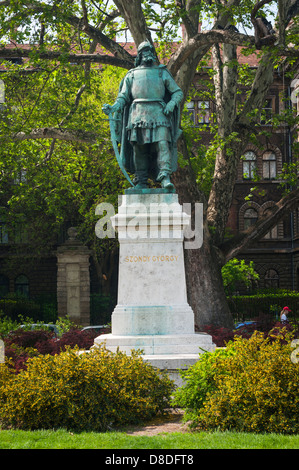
(73, 280)
(152, 312)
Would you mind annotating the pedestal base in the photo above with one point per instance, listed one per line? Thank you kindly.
(152, 320)
(166, 352)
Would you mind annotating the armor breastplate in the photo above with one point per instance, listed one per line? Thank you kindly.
(147, 84)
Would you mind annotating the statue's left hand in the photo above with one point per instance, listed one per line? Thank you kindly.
(169, 108)
(106, 108)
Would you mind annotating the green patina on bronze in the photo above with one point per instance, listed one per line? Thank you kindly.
(145, 120)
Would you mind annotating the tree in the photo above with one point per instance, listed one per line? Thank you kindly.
(236, 272)
(63, 32)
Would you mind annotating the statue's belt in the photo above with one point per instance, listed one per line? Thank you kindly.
(148, 100)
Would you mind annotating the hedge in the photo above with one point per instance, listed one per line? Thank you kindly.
(247, 307)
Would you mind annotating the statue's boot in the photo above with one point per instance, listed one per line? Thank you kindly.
(141, 186)
(166, 183)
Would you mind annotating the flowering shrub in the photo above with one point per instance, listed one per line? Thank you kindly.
(253, 387)
(18, 356)
(22, 344)
(90, 391)
(31, 339)
(75, 337)
(220, 335)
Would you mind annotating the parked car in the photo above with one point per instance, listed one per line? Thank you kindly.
(100, 329)
(239, 325)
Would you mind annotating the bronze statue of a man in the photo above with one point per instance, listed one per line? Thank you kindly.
(146, 120)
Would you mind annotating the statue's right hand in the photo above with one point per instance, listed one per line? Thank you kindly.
(106, 109)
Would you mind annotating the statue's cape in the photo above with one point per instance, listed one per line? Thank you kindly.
(126, 149)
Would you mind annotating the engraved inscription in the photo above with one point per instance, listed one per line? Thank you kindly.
(146, 259)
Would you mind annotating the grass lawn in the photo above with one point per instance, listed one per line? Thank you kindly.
(62, 439)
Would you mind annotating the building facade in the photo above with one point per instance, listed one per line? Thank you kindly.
(259, 183)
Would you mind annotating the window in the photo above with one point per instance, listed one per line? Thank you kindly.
(269, 165)
(21, 177)
(22, 285)
(250, 218)
(203, 112)
(273, 233)
(249, 165)
(191, 111)
(20, 234)
(272, 279)
(267, 111)
(199, 112)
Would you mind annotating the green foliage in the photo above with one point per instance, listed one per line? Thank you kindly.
(7, 325)
(237, 271)
(90, 391)
(253, 387)
(14, 308)
(289, 175)
(199, 380)
(64, 325)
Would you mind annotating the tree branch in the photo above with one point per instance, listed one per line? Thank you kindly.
(191, 30)
(235, 245)
(262, 81)
(69, 135)
(205, 40)
(67, 57)
(133, 15)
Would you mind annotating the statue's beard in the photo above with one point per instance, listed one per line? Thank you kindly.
(148, 59)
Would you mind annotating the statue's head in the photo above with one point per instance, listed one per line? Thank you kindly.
(145, 53)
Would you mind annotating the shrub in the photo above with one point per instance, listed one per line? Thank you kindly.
(254, 388)
(90, 391)
(22, 344)
(19, 356)
(199, 380)
(75, 337)
(30, 338)
(7, 325)
(220, 335)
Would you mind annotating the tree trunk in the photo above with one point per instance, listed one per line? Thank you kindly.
(205, 290)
